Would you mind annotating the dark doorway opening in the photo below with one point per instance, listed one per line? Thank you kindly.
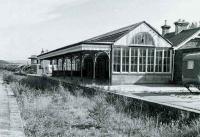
(102, 66)
(88, 67)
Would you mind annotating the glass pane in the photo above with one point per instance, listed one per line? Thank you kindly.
(117, 56)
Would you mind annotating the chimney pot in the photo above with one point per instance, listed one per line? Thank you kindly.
(165, 28)
(180, 25)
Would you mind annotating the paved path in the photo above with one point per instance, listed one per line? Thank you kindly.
(10, 119)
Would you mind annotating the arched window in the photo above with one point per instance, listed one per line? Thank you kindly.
(143, 38)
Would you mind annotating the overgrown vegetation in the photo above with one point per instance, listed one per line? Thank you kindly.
(39, 83)
(54, 109)
(8, 78)
(9, 67)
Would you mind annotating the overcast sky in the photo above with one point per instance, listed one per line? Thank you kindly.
(27, 26)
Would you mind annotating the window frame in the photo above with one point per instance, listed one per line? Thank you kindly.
(159, 61)
(142, 38)
(190, 64)
(142, 62)
(151, 60)
(125, 64)
(154, 51)
(119, 60)
(166, 59)
(134, 57)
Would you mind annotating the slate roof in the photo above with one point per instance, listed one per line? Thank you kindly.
(181, 37)
(113, 36)
(194, 43)
(110, 37)
(106, 38)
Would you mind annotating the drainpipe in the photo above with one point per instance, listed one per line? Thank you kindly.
(111, 58)
(71, 58)
(173, 56)
(94, 66)
(81, 66)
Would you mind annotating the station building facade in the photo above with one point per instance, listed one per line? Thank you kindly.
(185, 41)
(130, 55)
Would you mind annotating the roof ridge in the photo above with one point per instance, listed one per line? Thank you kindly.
(191, 29)
(185, 30)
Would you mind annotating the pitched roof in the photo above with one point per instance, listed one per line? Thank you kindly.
(193, 43)
(181, 37)
(106, 38)
(110, 37)
(113, 36)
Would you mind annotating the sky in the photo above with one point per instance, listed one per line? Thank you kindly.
(28, 26)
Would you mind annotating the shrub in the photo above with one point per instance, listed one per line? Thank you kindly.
(39, 83)
(9, 67)
(8, 78)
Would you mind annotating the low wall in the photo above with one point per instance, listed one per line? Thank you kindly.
(140, 78)
(65, 73)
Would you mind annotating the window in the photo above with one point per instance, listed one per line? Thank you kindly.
(143, 38)
(150, 62)
(166, 64)
(190, 64)
(159, 61)
(125, 60)
(117, 60)
(134, 59)
(142, 60)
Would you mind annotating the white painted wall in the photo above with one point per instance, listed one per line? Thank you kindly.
(126, 40)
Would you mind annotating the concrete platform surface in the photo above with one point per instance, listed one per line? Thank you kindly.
(164, 94)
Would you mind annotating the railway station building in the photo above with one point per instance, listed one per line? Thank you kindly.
(185, 41)
(129, 55)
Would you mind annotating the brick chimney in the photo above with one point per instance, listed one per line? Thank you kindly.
(180, 25)
(165, 28)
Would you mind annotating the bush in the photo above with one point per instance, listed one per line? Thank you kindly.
(8, 78)
(39, 83)
(9, 67)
